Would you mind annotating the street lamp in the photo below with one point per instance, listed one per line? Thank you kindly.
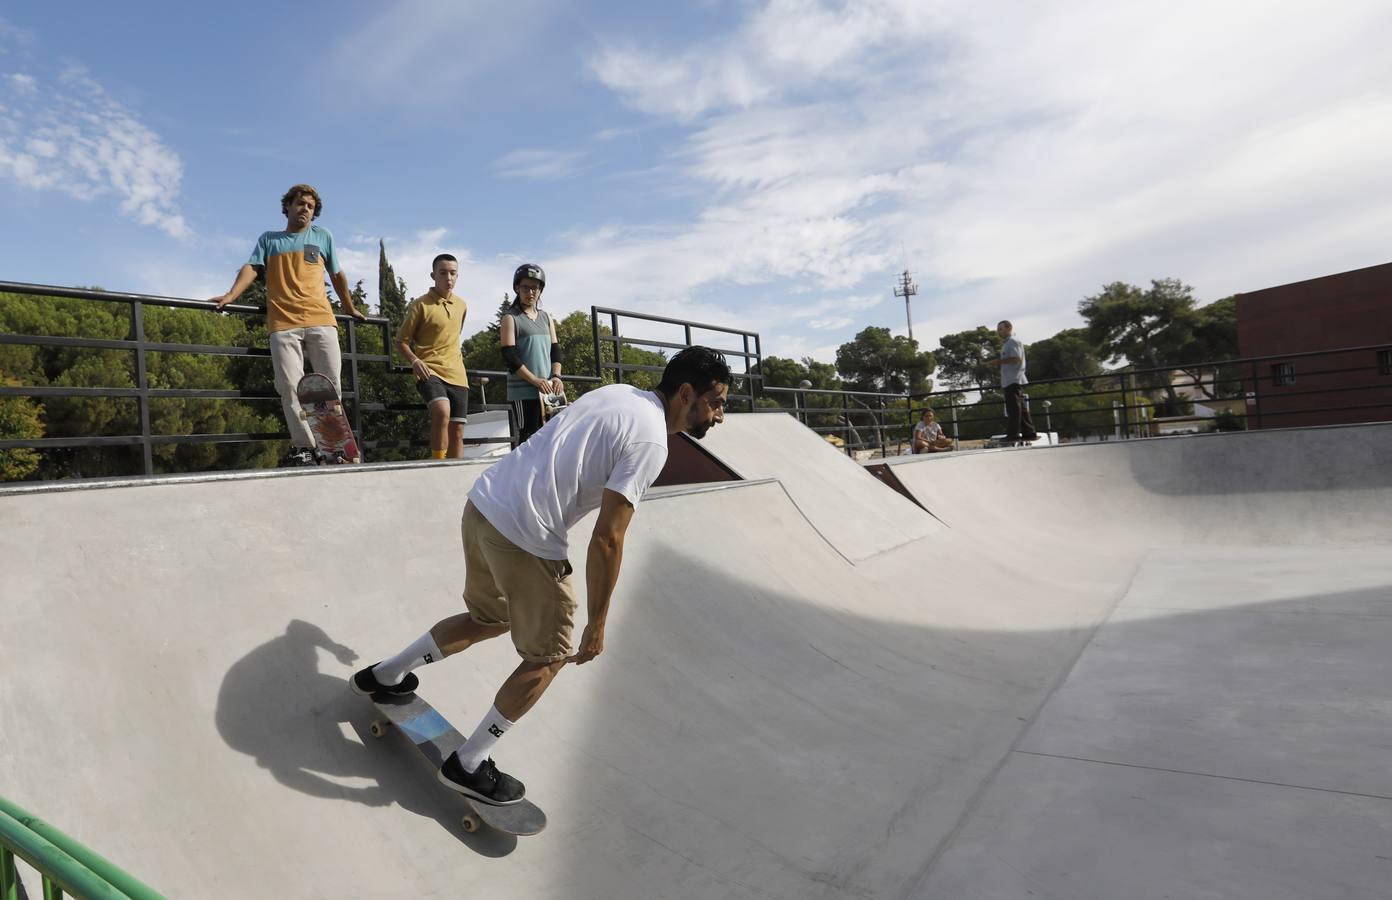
(801, 399)
(1048, 420)
(483, 389)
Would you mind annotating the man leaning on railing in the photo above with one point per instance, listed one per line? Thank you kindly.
(298, 314)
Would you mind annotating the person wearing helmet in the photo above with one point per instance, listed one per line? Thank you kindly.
(530, 349)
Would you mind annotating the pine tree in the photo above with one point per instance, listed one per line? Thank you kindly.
(391, 291)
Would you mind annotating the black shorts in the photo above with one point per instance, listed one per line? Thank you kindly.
(434, 388)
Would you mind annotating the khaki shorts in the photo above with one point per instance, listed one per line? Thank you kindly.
(506, 585)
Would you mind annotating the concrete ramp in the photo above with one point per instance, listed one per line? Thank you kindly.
(858, 515)
(798, 699)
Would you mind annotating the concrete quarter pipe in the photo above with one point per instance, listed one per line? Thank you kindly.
(1154, 669)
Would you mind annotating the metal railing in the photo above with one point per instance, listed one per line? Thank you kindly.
(752, 379)
(138, 343)
(64, 865)
(1112, 404)
(1124, 400)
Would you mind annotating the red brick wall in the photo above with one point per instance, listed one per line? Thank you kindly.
(1351, 309)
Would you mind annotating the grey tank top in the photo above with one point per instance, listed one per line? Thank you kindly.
(534, 343)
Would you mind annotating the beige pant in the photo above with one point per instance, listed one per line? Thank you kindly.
(288, 351)
(506, 585)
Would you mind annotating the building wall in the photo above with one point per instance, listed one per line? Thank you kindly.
(1350, 309)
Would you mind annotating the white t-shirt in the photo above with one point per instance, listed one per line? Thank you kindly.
(1013, 373)
(930, 431)
(613, 438)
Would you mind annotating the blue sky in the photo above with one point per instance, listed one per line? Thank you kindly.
(765, 164)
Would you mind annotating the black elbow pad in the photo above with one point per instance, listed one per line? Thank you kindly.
(556, 355)
(513, 357)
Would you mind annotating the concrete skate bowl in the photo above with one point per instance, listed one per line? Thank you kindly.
(799, 698)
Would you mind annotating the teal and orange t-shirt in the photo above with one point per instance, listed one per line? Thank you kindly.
(294, 262)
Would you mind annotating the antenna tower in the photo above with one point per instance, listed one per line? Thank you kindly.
(906, 288)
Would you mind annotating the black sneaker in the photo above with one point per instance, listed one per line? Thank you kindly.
(366, 683)
(487, 784)
(299, 456)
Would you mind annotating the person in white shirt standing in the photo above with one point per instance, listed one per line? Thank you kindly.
(602, 452)
(1019, 425)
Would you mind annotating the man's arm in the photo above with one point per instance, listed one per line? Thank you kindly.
(245, 276)
(553, 384)
(602, 570)
(418, 365)
(340, 283)
(407, 337)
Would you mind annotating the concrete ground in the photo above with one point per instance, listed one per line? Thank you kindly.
(1146, 669)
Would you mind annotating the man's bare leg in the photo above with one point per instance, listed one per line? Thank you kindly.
(446, 637)
(524, 687)
(456, 441)
(439, 423)
(518, 694)
(458, 633)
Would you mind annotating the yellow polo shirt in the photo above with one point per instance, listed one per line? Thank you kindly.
(431, 328)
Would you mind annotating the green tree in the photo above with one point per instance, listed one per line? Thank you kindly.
(400, 431)
(391, 291)
(107, 416)
(962, 358)
(20, 420)
(1152, 329)
(1068, 354)
(875, 360)
(791, 373)
(1214, 339)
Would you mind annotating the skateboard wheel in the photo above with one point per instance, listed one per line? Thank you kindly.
(470, 824)
(378, 728)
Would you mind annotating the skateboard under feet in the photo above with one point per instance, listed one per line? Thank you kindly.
(436, 739)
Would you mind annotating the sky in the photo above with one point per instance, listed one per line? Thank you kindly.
(769, 165)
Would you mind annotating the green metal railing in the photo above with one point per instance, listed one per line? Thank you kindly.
(66, 866)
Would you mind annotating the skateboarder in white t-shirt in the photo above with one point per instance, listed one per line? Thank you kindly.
(603, 452)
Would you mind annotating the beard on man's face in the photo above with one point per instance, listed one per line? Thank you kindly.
(698, 431)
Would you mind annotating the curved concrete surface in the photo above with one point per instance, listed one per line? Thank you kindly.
(1140, 670)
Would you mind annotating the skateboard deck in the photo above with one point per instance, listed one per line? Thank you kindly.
(321, 407)
(552, 404)
(436, 739)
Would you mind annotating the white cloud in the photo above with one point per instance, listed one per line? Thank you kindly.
(22, 84)
(11, 33)
(538, 164)
(787, 44)
(75, 138)
(1022, 160)
(434, 52)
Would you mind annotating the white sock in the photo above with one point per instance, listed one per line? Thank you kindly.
(480, 744)
(422, 651)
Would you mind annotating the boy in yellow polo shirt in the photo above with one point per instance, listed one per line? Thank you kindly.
(429, 338)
